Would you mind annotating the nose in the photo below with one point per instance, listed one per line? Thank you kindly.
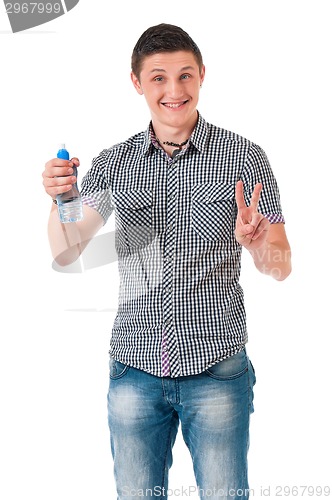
(174, 88)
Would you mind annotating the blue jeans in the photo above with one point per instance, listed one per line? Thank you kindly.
(213, 407)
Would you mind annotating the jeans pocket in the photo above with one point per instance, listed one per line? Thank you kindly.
(212, 211)
(117, 369)
(230, 368)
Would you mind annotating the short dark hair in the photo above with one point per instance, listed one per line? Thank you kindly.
(162, 38)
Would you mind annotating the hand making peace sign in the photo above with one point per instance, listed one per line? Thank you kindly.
(251, 228)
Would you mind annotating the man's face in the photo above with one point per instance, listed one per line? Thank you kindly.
(170, 82)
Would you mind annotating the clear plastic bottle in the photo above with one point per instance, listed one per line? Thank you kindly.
(69, 203)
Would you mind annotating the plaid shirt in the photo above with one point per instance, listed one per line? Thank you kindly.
(181, 306)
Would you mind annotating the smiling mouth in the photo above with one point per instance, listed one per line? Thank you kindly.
(174, 105)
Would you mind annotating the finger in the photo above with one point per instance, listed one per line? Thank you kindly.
(59, 181)
(239, 197)
(53, 192)
(76, 161)
(262, 226)
(57, 172)
(57, 185)
(57, 168)
(255, 196)
(248, 227)
(56, 162)
(244, 231)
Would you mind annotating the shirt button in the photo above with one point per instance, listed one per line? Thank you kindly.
(167, 322)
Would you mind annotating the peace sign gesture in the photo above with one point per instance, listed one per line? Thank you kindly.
(251, 228)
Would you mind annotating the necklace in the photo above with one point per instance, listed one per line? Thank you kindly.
(167, 143)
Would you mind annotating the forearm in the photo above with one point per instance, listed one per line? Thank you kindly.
(274, 259)
(65, 239)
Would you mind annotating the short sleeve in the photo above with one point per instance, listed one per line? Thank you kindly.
(95, 190)
(257, 169)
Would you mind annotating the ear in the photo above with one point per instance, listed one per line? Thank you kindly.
(136, 83)
(202, 75)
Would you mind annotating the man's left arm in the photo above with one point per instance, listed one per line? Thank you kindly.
(274, 256)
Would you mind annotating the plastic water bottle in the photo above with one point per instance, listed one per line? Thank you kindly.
(69, 203)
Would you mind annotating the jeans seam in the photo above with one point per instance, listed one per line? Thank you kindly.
(250, 389)
(167, 449)
(121, 374)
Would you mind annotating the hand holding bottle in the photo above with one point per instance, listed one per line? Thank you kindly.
(58, 176)
(60, 182)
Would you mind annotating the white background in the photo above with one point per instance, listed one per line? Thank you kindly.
(267, 78)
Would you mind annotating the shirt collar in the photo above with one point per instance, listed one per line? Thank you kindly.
(198, 137)
(200, 134)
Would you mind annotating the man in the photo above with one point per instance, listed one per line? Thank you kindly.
(187, 197)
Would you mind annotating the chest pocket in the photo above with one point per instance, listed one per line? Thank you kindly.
(133, 215)
(212, 211)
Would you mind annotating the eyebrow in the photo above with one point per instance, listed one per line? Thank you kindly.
(161, 70)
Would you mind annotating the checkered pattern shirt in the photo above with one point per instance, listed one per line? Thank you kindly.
(180, 305)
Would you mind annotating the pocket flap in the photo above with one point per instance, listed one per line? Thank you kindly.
(133, 200)
(210, 193)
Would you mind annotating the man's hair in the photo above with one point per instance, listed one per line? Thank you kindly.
(162, 38)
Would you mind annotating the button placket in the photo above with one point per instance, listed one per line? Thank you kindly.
(170, 236)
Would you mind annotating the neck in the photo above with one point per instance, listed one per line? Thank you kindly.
(177, 140)
(177, 135)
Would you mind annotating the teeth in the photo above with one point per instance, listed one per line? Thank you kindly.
(169, 105)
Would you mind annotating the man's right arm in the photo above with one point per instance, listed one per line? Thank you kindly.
(67, 241)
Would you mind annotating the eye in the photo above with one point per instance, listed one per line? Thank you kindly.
(158, 79)
(185, 77)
